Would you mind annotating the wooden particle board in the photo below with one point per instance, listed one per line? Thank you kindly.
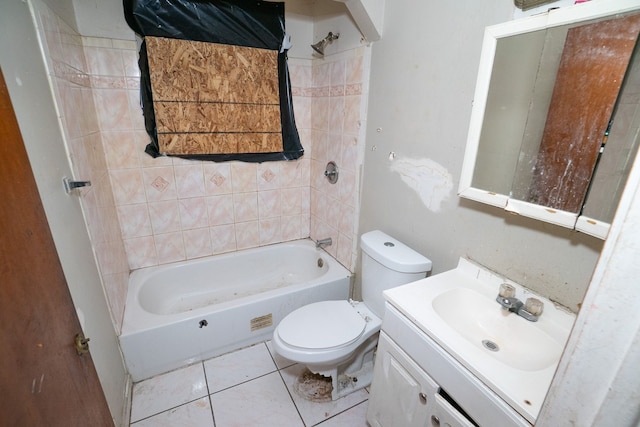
(212, 98)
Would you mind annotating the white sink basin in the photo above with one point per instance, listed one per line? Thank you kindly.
(504, 335)
(514, 357)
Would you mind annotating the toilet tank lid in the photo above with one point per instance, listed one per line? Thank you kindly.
(393, 254)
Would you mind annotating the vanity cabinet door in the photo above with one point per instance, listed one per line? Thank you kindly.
(445, 415)
(401, 393)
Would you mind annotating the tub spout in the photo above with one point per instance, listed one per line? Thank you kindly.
(323, 242)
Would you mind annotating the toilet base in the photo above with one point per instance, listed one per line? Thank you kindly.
(353, 374)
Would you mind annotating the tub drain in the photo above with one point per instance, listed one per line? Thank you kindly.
(490, 345)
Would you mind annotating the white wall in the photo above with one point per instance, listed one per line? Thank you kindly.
(423, 76)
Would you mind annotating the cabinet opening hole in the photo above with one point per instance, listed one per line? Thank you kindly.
(457, 407)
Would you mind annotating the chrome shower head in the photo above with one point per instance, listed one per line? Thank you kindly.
(319, 47)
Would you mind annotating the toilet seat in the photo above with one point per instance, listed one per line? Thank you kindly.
(322, 326)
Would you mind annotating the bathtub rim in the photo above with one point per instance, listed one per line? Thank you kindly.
(145, 320)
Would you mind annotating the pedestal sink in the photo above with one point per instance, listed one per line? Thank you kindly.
(514, 357)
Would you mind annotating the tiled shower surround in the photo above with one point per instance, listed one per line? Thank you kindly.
(143, 211)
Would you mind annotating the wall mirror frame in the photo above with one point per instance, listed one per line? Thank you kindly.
(504, 154)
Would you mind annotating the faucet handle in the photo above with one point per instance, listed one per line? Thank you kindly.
(507, 291)
(534, 306)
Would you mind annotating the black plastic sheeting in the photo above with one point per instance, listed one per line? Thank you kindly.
(247, 23)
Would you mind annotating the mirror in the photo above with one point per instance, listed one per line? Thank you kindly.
(554, 122)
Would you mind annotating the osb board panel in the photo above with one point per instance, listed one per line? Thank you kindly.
(201, 89)
(172, 117)
(186, 70)
(220, 143)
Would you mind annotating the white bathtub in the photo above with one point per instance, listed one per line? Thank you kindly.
(185, 312)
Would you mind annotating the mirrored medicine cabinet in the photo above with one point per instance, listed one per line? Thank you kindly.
(556, 115)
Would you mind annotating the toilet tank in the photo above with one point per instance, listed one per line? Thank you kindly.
(387, 263)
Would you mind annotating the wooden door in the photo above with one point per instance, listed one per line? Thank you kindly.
(593, 65)
(43, 380)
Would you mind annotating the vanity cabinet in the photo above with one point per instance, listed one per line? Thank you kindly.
(403, 394)
(417, 383)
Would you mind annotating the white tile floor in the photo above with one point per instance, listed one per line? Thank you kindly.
(249, 387)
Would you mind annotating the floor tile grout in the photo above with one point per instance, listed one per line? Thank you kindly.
(279, 369)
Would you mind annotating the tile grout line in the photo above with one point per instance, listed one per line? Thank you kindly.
(284, 383)
(206, 381)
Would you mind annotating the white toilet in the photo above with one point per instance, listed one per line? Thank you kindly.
(337, 339)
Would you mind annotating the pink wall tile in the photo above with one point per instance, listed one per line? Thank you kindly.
(321, 74)
(270, 231)
(112, 108)
(336, 114)
(189, 180)
(141, 252)
(95, 154)
(193, 213)
(128, 186)
(347, 219)
(247, 235)
(121, 149)
(197, 243)
(104, 61)
(165, 216)
(320, 113)
(347, 187)
(268, 176)
(291, 201)
(344, 249)
(70, 99)
(269, 204)
(135, 109)
(130, 63)
(159, 183)
(338, 70)
(245, 206)
(243, 177)
(352, 115)
(302, 111)
(291, 227)
(349, 153)
(134, 220)
(305, 225)
(220, 209)
(116, 286)
(217, 178)
(334, 147)
(354, 70)
(170, 247)
(291, 173)
(223, 238)
(80, 158)
(305, 205)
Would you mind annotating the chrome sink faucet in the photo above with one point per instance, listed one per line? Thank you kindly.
(323, 242)
(530, 309)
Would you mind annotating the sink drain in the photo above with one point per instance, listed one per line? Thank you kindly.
(490, 345)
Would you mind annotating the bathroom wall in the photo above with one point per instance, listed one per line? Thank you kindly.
(423, 75)
(172, 209)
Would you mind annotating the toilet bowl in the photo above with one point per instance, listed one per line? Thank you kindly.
(337, 339)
